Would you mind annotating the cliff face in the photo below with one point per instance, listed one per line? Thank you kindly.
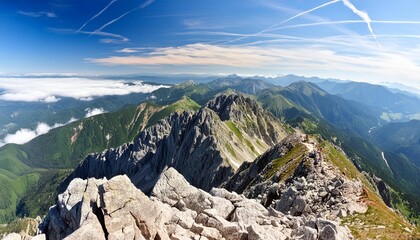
(206, 147)
(115, 209)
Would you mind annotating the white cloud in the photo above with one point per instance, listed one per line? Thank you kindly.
(345, 57)
(130, 50)
(38, 14)
(22, 136)
(108, 37)
(94, 111)
(195, 54)
(52, 89)
(51, 99)
(25, 135)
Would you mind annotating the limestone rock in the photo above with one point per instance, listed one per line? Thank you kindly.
(192, 143)
(116, 209)
(13, 236)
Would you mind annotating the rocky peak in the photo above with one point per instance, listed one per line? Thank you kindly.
(229, 107)
(202, 147)
(115, 209)
(249, 115)
(186, 84)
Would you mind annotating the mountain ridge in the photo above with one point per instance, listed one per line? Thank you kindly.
(217, 138)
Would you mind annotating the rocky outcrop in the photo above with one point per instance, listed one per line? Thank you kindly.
(205, 149)
(257, 122)
(287, 179)
(17, 236)
(116, 209)
(252, 173)
(383, 190)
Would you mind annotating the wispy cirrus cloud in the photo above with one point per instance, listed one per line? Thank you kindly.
(108, 37)
(132, 50)
(38, 14)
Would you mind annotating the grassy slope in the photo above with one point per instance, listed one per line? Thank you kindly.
(25, 169)
(367, 155)
(300, 108)
(287, 164)
(369, 224)
(26, 225)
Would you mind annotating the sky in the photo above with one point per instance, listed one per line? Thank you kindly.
(375, 41)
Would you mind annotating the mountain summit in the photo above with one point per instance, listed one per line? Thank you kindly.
(206, 147)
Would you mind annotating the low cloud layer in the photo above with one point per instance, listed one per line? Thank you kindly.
(52, 89)
(94, 111)
(25, 135)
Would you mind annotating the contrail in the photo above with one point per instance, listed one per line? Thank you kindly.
(143, 5)
(346, 22)
(305, 12)
(395, 22)
(319, 24)
(362, 15)
(96, 15)
(285, 21)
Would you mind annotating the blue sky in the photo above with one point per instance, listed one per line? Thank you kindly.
(375, 40)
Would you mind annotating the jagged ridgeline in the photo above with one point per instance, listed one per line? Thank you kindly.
(30, 173)
(232, 141)
(343, 122)
(299, 188)
(205, 146)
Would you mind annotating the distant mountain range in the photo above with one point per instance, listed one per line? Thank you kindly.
(207, 131)
(400, 138)
(389, 101)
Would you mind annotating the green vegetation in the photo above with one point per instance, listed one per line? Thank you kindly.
(304, 105)
(41, 196)
(302, 97)
(230, 149)
(232, 126)
(287, 164)
(11, 161)
(332, 155)
(25, 225)
(11, 191)
(26, 169)
(378, 214)
(391, 116)
(379, 220)
(400, 138)
(185, 104)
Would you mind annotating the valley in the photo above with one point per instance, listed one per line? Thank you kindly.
(231, 139)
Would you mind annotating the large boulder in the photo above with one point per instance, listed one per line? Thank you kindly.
(116, 209)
